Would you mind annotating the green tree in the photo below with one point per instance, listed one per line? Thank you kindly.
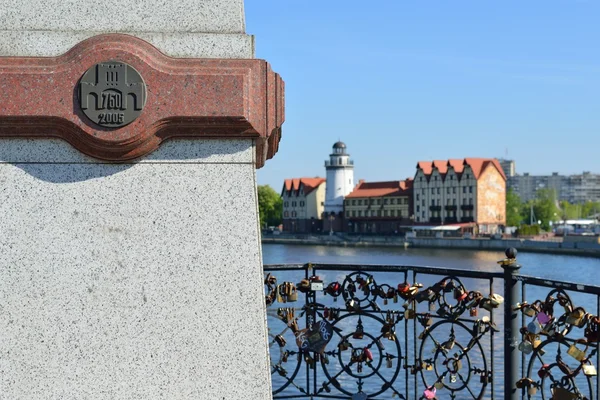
(514, 208)
(545, 207)
(270, 206)
(589, 208)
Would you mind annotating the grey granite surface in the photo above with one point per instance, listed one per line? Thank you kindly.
(47, 43)
(208, 16)
(131, 281)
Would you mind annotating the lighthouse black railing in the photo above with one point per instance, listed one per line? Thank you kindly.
(410, 332)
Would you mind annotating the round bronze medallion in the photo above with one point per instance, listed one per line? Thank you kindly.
(112, 94)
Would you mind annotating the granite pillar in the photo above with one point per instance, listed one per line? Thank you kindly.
(130, 263)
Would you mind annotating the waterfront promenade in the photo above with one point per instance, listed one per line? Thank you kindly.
(550, 246)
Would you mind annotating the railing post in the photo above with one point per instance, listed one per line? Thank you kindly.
(512, 295)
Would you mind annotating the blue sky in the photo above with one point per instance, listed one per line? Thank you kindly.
(402, 81)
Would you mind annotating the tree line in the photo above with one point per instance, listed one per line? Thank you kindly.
(546, 209)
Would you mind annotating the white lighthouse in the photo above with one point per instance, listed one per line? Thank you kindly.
(340, 178)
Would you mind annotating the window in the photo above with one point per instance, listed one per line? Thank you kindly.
(422, 191)
(470, 189)
(467, 176)
(432, 191)
(392, 213)
(418, 208)
(301, 204)
(438, 202)
(360, 202)
(435, 178)
(286, 214)
(454, 190)
(470, 202)
(438, 190)
(432, 202)
(464, 189)
(418, 219)
(360, 213)
(385, 213)
(379, 213)
(451, 177)
(285, 204)
(400, 213)
(347, 214)
(385, 201)
(293, 204)
(453, 202)
(378, 201)
(418, 197)
(447, 202)
(423, 214)
(293, 214)
(448, 190)
(420, 179)
(423, 202)
(340, 161)
(464, 202)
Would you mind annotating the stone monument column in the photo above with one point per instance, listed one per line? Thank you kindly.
(130, 260)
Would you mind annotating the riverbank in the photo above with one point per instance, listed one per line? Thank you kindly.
(532, 246)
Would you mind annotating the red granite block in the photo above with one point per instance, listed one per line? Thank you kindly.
(192, 98)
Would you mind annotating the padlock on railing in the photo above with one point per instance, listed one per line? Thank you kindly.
(592, 331)
(577, 317)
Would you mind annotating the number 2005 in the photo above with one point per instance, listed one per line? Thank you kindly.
(116, 118)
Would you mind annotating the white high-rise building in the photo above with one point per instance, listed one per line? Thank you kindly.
(340, 178)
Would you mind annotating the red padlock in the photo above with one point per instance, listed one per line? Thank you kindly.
(543, 372)
(403, 287)
(368, 354)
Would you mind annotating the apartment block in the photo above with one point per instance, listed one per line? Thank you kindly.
(470, 190)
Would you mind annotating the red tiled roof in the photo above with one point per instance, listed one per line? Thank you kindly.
(457, 164)
(478, 165)
(426, 166)
(441, 165)
(381, 189)
(309, 184)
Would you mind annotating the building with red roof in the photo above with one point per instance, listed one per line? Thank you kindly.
(459, 191)
(303, 204)
(378, 207)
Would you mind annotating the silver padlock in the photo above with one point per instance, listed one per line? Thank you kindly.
(589, 370)
(526, 347)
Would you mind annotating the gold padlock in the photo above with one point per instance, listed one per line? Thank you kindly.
(292, 293)
(536, 342)
(409, 314)
(576, 353)
(438, 385)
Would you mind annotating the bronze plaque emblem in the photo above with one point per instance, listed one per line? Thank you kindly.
(112, 94)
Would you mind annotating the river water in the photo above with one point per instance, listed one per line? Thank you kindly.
(556, 267)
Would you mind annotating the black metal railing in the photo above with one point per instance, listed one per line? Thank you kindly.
(409, 332)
